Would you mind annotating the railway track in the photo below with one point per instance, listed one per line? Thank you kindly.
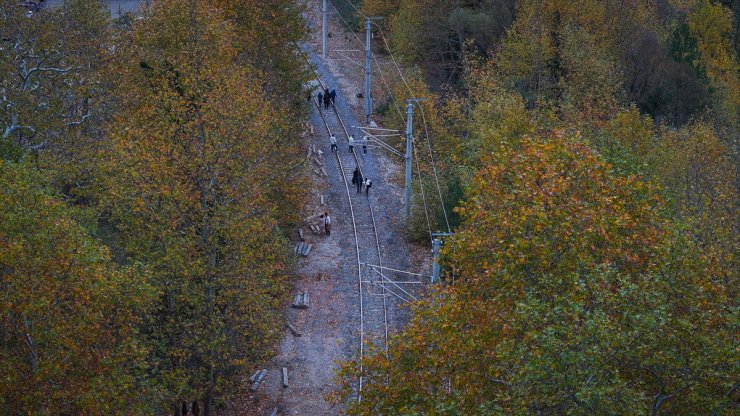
(377, 293)
(372, 296)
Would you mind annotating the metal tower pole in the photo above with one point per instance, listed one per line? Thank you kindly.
(324, 31)
(436, 246)
(368, 71)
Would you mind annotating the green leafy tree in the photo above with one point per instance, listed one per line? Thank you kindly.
(712, 25)
(193, 154)
(68, 337)
(574, 296)
(46, 72)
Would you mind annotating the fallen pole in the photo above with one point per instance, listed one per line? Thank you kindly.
(292, 329)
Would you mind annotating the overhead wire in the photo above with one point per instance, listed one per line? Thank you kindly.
(426, 130)
(423, 115)
(421, 184)
(380, 71)
(400, 114)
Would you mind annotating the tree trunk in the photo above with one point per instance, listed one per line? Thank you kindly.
(207, 403)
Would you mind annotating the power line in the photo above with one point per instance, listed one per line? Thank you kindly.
(400, 113)
(423, 116)
(426, 130)
(423, 198)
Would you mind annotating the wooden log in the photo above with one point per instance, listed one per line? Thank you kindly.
(259, 380)
(323, 171)
(297, 301)
(274, 412)
(310, 152)
(318, 162)
(318, 172)
(300, 234)
(305, 299)
(254, 376)
(322, 199)
(285, 377)
(320, 152)
(262, 375)
(307, 250)
(293, 329)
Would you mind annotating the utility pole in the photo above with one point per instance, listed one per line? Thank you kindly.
(407, 157)
(409, 137)
(368, 71)
(368, 67)
(324, 31)
(436, 246)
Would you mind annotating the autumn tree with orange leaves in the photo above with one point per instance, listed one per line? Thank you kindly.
(68, 314)
(574, 294)
(195, 153)
(146, 165)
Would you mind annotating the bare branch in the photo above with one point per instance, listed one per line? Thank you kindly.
(80, 121)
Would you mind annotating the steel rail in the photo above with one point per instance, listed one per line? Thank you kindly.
(361, 287)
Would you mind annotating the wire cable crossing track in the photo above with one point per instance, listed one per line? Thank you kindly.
(378, 292)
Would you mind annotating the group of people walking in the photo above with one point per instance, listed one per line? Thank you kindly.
(327, 97)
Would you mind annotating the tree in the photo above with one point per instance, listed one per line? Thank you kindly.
(438, 34)
(193, 155)
(574, 296)
(700, 175)
(712, 25)
(267, 33)
(46, 64)
(670, 88)
(68, 338)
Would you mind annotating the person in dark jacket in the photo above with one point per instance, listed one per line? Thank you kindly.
(327, 99)
(333, 96)
(360, 182)
(321, 98)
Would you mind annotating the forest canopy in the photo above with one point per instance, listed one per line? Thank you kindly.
(589, 150)
(143, 257)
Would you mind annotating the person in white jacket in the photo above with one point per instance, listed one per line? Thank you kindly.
(333, 141)
(327, 223)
